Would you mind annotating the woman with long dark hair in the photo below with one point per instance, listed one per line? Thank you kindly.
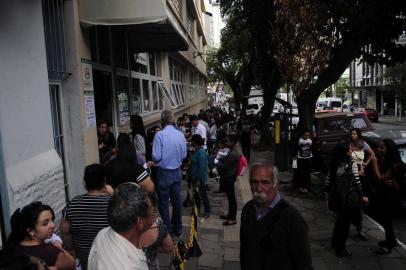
(31, 226)
(126, 169)
(389, 170)
(343, 195)
(138, 134)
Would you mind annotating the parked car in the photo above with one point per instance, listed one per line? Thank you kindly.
(332, 128)
(370, 113)
(399, 137)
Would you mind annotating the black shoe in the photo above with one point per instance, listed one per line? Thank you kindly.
(343, 253)
(383, 251)
(362, 236)
(224, 217)
(206, 215)
(229, 222)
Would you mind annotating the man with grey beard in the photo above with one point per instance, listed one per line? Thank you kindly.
(273, 234)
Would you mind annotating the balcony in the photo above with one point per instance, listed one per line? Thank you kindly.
(152, 26)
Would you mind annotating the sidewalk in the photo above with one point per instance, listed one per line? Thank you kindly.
(220, 244)
(390, 119)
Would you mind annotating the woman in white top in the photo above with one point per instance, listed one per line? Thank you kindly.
(213, 134)
(138, 134)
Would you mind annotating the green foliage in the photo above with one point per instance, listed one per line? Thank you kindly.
(342, 87)
(231, 62)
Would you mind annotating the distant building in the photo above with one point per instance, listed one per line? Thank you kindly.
(218, 23)
(368, 82)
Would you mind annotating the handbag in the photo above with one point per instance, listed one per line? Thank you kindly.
(294, 163)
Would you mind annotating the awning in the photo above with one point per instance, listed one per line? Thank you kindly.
(151, 24)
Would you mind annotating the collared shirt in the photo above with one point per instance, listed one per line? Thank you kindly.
(169, 148)
(111, 251)
(259, 213)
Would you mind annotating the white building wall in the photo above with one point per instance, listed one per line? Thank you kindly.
(33, 170)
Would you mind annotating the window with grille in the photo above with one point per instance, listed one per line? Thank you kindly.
(177, 89)
(190, 21)
(177, 4)
(54, 39)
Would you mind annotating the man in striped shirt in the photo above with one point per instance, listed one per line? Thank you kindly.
(86, 214)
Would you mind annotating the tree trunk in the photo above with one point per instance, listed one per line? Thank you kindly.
(306, 108)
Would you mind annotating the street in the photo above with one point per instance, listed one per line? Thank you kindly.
(388, 126)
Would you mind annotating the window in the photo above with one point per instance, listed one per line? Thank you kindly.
(358, 123)
(335, 104)
(53, 11)
(178, 5)
(152, 63)
(120, 49)
(100, 41)
(135, 96)
(194, 81)
(56, 120)
(146, 96)
(123, 100)
(178, 82)
(167, 94)
(402, 152)
(190, 25)
(155, 96)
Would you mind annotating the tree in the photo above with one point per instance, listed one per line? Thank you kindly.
(342, 87)
(311, 42)
(325, 36)
(257, 15)
(232, 61)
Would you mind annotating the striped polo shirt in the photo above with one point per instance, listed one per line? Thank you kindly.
(87, 215)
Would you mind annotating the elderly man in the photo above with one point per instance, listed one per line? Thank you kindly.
(117, 247)
(168, 151)
(273, 234)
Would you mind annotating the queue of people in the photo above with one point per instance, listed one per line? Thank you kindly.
(123, 219)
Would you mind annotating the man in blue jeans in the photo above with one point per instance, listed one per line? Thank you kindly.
(168, 151)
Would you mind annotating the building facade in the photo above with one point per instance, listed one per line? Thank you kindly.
(218, 23)
(368, 81)
(65, 65)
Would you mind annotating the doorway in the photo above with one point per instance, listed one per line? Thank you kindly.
(103, 95)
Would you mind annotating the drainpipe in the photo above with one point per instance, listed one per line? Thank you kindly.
(396, 107)
(5, 202)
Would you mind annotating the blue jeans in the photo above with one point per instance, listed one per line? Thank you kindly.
(169, 188)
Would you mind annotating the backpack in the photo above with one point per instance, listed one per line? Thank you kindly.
(242, 166)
